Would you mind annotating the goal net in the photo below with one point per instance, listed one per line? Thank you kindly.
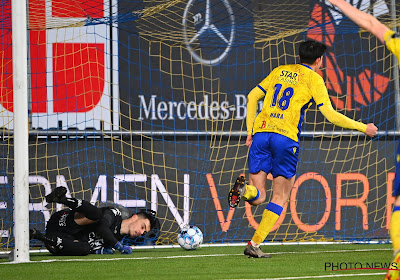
(143, 104)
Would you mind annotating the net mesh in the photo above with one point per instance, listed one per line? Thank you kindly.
(143, 103)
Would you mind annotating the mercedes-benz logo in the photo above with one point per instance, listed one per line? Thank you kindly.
(209, 27)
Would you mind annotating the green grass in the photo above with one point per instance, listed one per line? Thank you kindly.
(208, 263)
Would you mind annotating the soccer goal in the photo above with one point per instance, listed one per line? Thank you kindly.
(142, 103)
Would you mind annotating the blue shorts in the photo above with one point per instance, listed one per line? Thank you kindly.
(396, 186)
(273, 153)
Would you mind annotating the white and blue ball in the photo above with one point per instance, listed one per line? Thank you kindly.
(190, 237)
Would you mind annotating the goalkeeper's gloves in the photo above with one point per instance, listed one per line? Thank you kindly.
(104, 251)
(123, 248)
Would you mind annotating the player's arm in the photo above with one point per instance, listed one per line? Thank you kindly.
(362, 19)
(338, 119)
(254, 96)
(103, 229)
(321, 98)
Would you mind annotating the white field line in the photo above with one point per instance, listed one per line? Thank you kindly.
(176, 246)
(318, 276)
(194, 256)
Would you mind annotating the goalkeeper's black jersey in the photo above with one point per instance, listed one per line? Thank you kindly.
(104, 233)
(109, 226)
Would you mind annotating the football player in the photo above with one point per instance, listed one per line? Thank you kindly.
(273, 135)
(85, 229)
(392, 42)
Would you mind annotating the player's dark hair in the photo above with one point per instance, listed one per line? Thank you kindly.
(310, 50)
(151, 216)
(148, 238)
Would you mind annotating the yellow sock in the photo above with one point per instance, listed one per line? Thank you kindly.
(269, 219)
(251, 192)
(395, 230)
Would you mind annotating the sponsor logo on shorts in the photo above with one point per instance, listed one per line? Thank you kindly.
(63, 220)
(95, 241)
(59, 242)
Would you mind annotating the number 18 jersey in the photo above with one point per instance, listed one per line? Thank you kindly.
(289, 91)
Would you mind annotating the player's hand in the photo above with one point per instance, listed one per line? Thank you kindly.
(105, 251)
(371, 130)
(126, 250)
(249, 140)
(123, 248)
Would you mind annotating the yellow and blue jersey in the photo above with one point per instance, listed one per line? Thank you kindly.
(392, 43)
(289, 91)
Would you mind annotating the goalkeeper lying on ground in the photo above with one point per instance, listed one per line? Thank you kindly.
(84, 229)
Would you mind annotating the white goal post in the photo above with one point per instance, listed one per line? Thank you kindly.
(21, 131)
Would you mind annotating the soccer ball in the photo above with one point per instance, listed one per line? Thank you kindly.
(190, 237)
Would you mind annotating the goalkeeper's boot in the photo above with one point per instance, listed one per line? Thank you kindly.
(393, 272)
(236, 192)
(35, 234)
(57, 195)
(255, 252)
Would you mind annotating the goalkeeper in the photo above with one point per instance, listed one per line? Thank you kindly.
(392, 42)
(273, 134)
(84, 229)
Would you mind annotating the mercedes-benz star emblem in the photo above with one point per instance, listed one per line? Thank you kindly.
(209, 26)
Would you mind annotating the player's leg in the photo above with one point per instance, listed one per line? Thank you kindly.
(271, 214)
(259, 166)
(254, 192)
(395, 223)
(394, 231)
(61, 243)
(284, 153)
(65, 245)
(281, 191)
(36, 234)
(86, 212)
(395, 219)
(395, 226)
(61, 234)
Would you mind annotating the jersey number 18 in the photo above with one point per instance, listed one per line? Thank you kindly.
(284, 100)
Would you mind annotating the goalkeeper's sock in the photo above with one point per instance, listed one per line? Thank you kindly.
(86, 208)
(395, 228)
(35, 234)
(269, 218)
(90, 211)
(254, 244)
(251, 193)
